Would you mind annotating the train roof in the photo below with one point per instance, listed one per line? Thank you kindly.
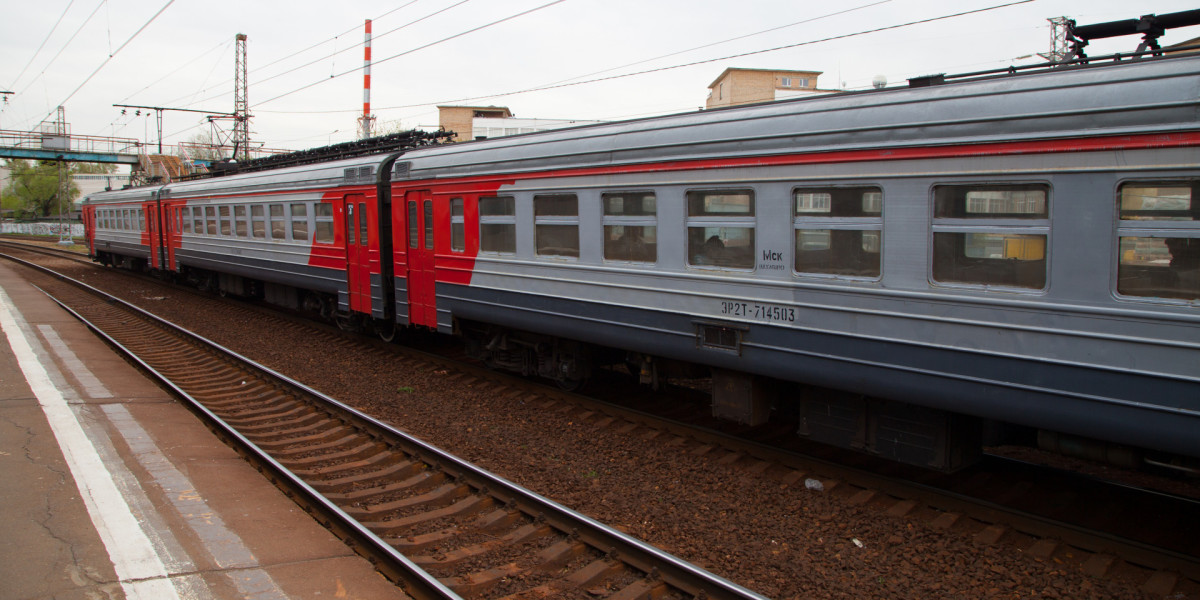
(133, 194)
(353, 171)
(1158, 95)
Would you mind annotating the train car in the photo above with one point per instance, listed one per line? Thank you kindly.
(303, 237)
(119, 227)
(1015, 249)
(901, 269)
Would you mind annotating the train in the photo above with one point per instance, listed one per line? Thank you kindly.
(906, 271)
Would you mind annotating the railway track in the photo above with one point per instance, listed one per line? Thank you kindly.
(1041, 518)
(441, 527)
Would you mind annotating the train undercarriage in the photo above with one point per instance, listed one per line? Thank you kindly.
(892, 430)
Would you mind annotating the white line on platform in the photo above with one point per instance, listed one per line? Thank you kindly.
(137, 566)
(82, 374)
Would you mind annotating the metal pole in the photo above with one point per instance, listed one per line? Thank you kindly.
(241, 104)
(64, 194)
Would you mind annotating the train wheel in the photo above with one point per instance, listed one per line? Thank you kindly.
(386, 330)
(571, 384)
(346, 322)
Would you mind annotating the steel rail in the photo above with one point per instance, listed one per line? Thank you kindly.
(671, 570)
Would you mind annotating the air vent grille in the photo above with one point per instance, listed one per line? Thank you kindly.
(359, 175)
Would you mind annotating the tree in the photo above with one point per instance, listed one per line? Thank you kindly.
(201, 147)
(33, 189)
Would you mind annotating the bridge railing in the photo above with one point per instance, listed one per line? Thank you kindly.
(36, 140)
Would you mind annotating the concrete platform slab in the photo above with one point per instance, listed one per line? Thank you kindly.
(113, 489)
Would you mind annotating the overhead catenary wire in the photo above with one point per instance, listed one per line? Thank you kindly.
(310, 47)
(110, 56)
(643, 61)
(570, 83)
(712, 60)
(726, 41)
(676, 53)
(222, 44)
(70, 39)
(422, 47)
(13, 85)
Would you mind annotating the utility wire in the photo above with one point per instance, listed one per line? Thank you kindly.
(223, 44)
(347, 49)
(299, 52)
(418, 48)
(725, 41)
(110, 56)
(569, 83)
(66, 45)
(43, 44)
(374, 38)
(712, 60)
(348, 31)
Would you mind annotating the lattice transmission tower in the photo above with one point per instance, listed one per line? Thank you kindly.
(241, 106)
(1060, 49)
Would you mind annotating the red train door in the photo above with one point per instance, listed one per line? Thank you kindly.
(171, 236)
(155, 243)
(422, 300)
(358, 254)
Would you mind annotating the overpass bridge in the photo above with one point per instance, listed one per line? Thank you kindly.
(36, 145)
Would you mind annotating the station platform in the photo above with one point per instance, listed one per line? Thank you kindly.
(110, 488)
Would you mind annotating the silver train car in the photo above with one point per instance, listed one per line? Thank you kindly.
(1021, 250)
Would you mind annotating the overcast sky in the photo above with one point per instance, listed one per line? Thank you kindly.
(184, 56)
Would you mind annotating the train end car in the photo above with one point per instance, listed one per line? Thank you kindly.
(121, 227)
(307, 237)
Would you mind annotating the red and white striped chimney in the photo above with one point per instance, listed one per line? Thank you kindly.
(367, 72)
(367, 121)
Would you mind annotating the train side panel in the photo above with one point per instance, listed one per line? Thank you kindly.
(1003, 268)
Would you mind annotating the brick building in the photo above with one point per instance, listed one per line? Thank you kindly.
(746, 86)
(481, 122)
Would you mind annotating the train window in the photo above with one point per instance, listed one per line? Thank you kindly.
(721, 228)
(324, 223)
(300, 221)
(556, 224)
(429, 224)
(225, 220)
(458, 241)
(839, 230)
(630, 226)
(278, 223)
(414, 227)
(498, 225)
(210, 219)
(239, 221)
(1159, 240)
(991, 202)
(362, 224)
(991, 235)
(258, 221)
